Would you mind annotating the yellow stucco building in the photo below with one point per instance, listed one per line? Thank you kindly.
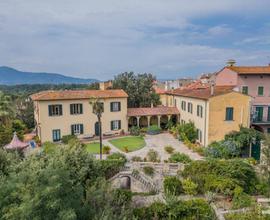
(215, 111)
(59, 113)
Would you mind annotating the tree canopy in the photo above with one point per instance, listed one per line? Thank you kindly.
(138, 87)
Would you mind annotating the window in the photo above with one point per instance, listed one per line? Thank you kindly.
(199, 111)
(175, 102)
(77, 129)
(199, 135)
(56, 134)
(115, 125)
(229, 114)
(268, 130)
(259, 113)
(260, 90)
(76, 109)
(245, 90)
(183, 105)
(190, 107)
(55, 110)
(115, 106)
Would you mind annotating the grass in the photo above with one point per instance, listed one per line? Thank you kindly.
(93, 147)
(128, 144)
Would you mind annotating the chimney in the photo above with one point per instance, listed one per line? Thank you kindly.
(212, 87)
(231, 62)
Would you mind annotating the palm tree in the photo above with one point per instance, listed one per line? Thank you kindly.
(98, 109)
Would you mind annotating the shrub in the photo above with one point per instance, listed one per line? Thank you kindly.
(223, 175)
(172, 185)
(169, 149)
(125, 149)
(117, 156)
(49, 147)
(241, 199)
(152, 156)
(179, 158)
(154, 129)
(169, 124)
(136, 159)
(106, 150)
(188, 131)
(134, 130)
(67, 138)
(189, 187)
(148, 170)
(223, 149)
(121, 197)
(143, 130)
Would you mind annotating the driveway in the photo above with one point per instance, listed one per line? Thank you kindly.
(157, 143)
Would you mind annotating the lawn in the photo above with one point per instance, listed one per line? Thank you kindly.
(131, 143)
(93, 147)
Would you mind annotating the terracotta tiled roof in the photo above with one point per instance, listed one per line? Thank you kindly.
(202, 93)
(161, 110)
(78, 94)
(250, 69)
(196, 85)
(160, 91)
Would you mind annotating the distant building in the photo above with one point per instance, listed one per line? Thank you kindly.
(105, 85)
(178, 83)
(254, 81)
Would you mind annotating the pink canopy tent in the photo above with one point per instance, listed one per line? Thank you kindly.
(16, 144)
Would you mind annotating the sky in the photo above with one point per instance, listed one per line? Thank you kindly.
(101, 38)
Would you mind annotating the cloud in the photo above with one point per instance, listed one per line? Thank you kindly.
(101, 38)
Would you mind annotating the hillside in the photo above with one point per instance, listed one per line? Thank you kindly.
(10, 76)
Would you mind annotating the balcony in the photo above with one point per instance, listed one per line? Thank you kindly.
(256, 121)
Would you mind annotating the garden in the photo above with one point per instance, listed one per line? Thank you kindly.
(128, 144)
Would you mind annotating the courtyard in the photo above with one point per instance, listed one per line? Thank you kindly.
(157, 143)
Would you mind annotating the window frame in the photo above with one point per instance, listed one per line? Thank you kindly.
(78, 128)
(190, 107)
(57, 134)
(183, 105)
(258, 92)
(52, 110)
(246, 92)
(227, 118)
(200, 111)
(112, 106)
(76, 106)
(115, 128)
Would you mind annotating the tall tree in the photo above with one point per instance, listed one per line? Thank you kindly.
(6, 111)
(139, 89)
(98, 109)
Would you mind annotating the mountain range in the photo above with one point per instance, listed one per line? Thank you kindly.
(11, 76)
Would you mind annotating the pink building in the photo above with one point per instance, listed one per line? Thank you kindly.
(254, 81)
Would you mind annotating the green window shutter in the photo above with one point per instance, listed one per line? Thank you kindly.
(81, 129)
(50, 110)
(119, 124)
(229, 114)
(119, 106)
(71, 109)
(245, 90)
(111, 125)
(60, 110)
(260, 90)
(72, 129)
(111, 106)
(81, 108)
(268, 117)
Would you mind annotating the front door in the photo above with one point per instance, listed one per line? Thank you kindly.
(259, 113)
(97, 129)
(256, 150)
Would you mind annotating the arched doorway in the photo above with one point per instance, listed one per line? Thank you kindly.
(125, 182)
(174, 119)
(163, 122)
(97, 128)
(154, 120)
(143, 122)
(132, 121)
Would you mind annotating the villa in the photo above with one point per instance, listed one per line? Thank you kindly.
(59, 113)
(215, 111)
